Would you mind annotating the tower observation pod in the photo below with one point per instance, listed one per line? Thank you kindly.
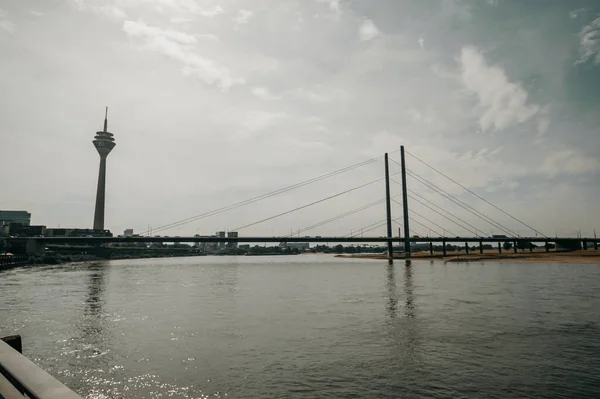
(104, 143)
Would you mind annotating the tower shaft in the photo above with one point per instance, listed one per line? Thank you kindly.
(100, 196)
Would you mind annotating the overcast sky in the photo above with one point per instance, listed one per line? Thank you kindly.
(213, 102)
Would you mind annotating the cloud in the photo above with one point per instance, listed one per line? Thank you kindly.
(208, 36)
(263, 93)
(107, 10)
(368, 31)
(255, 121)
(179, 46)
(212, 12)
(589, 42)
(503, 104)
(569, 162)
(242, 18)
(5, 23)
(36, 13)
(110, 11)
(575, 13)
(334, 5)
(309, 95)
(421, 42)
(133, 28)
(160, 6)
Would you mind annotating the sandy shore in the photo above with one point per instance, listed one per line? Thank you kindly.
(577, 257)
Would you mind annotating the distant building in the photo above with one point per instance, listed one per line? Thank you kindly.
(22, 230)
(128, 233)
(8, 217)
(233, 244)
(220, 234)
(301, 246)
(28, 231)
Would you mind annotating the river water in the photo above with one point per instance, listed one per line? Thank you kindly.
(309, 326)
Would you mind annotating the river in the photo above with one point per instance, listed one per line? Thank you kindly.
(309, 326)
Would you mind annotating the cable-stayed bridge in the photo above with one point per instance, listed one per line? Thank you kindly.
(456, 220)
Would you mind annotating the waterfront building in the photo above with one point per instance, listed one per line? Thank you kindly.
(234, 244)
(8, 217)
(220, 234)
(301, 246)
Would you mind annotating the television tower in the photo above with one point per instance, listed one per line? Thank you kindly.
(104, 143)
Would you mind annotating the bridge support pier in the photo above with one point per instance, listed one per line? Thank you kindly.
(584, 244)
(481, 247)
(430, 248)
(35, 247)
(547, 246)
(404, 204)
(499, 248)
(444, 248)
(596, 245)
(515, 247)
(467, 247)
(530, 248)
(388, 210)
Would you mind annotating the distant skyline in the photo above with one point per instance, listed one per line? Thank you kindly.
(214, 102)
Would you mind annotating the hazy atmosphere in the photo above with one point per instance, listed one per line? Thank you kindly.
(214, 102)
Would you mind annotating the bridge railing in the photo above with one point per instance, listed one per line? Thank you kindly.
(21, 378)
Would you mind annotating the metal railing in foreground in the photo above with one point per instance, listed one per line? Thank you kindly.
(20, 377)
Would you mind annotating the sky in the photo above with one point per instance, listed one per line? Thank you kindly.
(215, 102)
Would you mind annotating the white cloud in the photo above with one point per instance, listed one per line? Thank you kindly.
(496, 151)
(368, 30)
(160, 6)
(242, 18)
(503, 103)
(179, 46)
(255, 121)
(569, 162)
(212, 12)
(208, 36)
(589, 42)
(543, 121)
(111, 11)
(133, 28)
(5, 23)
(334, 5)
(36, 13)
(263, 92)
(181, 20)
(418, 117)
(575, 13)
(309, 95)
(421, 42)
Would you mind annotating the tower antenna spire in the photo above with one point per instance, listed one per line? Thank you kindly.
(105, 119)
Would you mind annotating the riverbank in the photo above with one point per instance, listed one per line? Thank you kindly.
(57, 259)
(576, 257)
